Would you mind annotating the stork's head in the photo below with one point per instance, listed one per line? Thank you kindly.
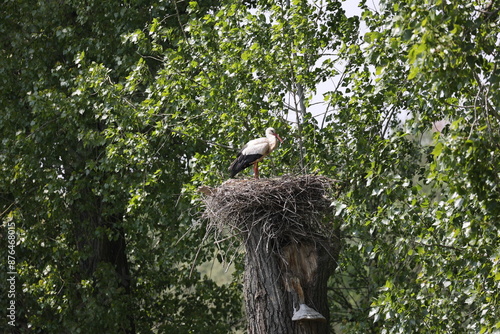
(271, 133)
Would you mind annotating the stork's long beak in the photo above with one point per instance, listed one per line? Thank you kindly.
(278, 136)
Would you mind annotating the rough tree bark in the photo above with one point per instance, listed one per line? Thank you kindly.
(272, 284)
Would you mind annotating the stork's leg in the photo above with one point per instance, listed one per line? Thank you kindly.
(256, 170)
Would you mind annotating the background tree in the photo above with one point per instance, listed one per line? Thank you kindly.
(428, 241)
(94, 193)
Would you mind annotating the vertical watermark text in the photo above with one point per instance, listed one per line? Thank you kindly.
(11, 273)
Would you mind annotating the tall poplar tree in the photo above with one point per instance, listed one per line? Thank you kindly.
(95, 197)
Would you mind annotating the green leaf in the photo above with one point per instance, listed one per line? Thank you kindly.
(246, 55)
(414, 71)
(438, 149)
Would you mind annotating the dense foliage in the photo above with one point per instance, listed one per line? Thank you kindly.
(94, 182)
(113, 113)
(427, 229)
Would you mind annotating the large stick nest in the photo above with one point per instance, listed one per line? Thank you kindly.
(287, 208)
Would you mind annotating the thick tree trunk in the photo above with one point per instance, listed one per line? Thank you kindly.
(274, 282)
(267, 307)
(98, 232)
(103, 248)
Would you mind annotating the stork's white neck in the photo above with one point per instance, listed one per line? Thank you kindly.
(273, 141)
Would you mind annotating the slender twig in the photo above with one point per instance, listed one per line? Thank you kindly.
(180, 22)
(337, 87)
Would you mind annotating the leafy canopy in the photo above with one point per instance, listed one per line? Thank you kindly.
(114, 113)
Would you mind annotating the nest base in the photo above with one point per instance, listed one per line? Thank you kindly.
(287, 208)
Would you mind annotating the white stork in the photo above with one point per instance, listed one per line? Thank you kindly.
(254, 152)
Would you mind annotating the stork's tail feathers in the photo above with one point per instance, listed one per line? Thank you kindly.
(242, 162)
